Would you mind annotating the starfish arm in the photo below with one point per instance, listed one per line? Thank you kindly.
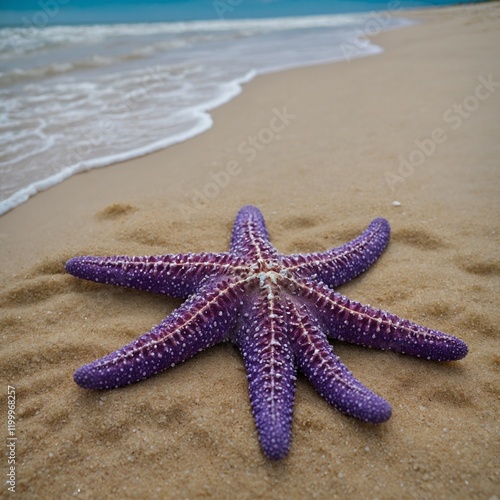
(278, 309)
(175, 275)
(250, 238)
(348, 320)
(262, 340)
(204, 320)
(342, 264)
(329, 376)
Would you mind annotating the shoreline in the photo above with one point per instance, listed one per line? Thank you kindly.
(319, 145)
(79, 185)
(374, 26)
(87, 148)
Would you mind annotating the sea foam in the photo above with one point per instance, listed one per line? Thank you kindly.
(81, 97)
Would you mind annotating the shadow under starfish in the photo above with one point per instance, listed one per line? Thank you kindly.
(278, 309)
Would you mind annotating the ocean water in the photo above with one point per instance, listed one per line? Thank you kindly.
(80, 96)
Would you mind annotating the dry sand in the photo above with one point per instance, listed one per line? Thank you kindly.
(189, 432)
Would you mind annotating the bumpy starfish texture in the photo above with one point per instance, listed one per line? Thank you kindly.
(278, 309)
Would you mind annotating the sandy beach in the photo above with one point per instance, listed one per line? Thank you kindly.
(411, 135)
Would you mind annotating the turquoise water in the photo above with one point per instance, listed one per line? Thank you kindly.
(52, 12)
(84, 84)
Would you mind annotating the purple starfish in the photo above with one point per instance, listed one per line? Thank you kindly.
(278, 309)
